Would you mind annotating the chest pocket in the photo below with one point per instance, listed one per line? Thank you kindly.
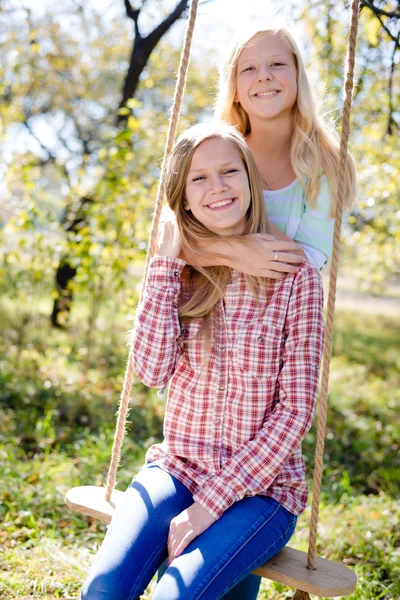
(258, 350)
(192, 344)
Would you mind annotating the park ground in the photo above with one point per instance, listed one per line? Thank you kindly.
(57, 425)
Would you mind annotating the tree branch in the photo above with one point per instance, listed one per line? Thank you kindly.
(378, 11)
(50, 155)
(155, 36)
(391, 121)
(133, 14)
(142, 49)
(395, 39)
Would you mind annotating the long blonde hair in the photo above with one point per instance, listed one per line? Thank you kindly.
(209, 282)
(314, 145)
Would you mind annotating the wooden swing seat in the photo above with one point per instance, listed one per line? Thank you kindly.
(289, 566)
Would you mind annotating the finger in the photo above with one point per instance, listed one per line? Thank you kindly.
(288, 257)
(184, 543)
(174, 539)
(282, 245)
(282, 267)
(172, 543)
(286, 247)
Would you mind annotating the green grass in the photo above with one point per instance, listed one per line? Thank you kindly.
(57, 427)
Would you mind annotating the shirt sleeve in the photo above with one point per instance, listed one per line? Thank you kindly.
(314, 256)
(155, 349)
(315, 231)
(255, 465)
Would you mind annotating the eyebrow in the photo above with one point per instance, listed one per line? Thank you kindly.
(227, 164)
(269, 56)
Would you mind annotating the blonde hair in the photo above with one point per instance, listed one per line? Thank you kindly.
(314, 145)
(208, 283)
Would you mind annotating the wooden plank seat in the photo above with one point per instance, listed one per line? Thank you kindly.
(289, 566)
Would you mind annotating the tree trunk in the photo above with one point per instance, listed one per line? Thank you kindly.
(63, 301)
(141, 51)
(74, 220)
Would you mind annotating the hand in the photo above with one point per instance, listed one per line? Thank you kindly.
(266, 256)
(185, 527)
(169, 242)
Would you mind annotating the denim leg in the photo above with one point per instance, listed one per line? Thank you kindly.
(249, 533)
(246, 589)
(135, 543)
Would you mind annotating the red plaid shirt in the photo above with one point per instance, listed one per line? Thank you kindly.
(236, 417)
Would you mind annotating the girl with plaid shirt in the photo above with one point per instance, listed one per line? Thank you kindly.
(265, 93)
(221, 494)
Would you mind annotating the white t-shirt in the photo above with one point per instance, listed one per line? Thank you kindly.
(311, 227)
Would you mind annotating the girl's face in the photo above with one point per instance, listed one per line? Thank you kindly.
(266, 78)
(217, 187)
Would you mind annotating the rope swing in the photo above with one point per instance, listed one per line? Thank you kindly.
(305, 572)
(173, 123)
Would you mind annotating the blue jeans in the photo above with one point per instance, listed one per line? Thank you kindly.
(249, 533)
(246, 589)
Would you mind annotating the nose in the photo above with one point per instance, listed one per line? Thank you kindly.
(217, 184)
(264, 74)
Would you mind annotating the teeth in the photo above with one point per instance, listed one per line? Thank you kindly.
(267, 93)
(220, 203)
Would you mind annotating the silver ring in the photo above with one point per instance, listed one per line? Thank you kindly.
(276, 254)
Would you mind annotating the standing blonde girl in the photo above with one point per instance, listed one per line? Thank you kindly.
(221, 494)
(264, 91)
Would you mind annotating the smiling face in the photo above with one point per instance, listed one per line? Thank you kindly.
(266, 78)
(217, 187)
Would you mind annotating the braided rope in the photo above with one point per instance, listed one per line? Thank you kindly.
(319, 452)
(173, 122)
(300, 595)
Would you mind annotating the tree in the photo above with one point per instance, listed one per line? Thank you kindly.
(74, 115)
(142, 48)
(389, 21)
(373, 232)
(78, 164)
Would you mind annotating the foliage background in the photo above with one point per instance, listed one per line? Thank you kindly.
(77, 183)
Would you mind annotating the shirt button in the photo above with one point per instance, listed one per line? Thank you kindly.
(216, 449)
(175, 305)
(223, 350)
(260, 339)
(184, 331)
(176, 273)
(222, 387)
(217, 421)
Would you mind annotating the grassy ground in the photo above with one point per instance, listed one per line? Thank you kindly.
(57, 426)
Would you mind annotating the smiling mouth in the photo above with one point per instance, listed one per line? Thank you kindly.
(221, 203)
(267, 94)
